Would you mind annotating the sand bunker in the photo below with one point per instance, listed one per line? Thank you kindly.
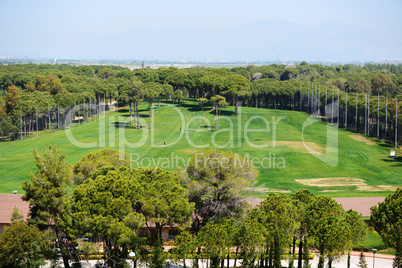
(298, 146)
(332, 182)
(376, 188)
(346, 181)
(360, 138)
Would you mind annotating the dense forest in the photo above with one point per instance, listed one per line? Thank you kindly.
(367, 95)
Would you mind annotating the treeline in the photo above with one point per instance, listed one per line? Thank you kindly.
(310, 88)
(124, 210)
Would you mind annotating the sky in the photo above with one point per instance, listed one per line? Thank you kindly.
(208, 30)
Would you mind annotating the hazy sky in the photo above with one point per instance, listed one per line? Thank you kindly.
(203, 30)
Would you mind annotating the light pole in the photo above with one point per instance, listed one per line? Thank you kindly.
(374, 251)
(132, 256)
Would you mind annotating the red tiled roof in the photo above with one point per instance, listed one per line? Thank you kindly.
(359, 204)
(9, 201)
(7, 204)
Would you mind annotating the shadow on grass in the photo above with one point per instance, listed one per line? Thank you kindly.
(195, 107)
(397, 161)
(126, 110)
(125, 125)
(223, 113)
(141, 115)
(386, 145)
(122, 125)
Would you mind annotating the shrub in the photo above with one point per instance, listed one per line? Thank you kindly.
(372, 240)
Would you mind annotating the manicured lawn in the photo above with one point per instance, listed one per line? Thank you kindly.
(283, 164)
(388, 251)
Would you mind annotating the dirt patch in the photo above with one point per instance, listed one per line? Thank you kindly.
(388, 187)
(360, 138)
(376, 188)
(299, 146)
(368, 188)
(330, 191)
(361, 186)
(332, 182)
(266, 190)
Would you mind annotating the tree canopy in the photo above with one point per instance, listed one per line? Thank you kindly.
(215, 181)
(388, 222)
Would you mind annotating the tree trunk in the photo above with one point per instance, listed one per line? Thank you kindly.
(277, 254)
(65, 262)
(300, 264)
(150, 108)
(63, 253)
(228, 258)
(330, 262)
(271, 255)
(131, 117)
(196, 258)
(235, 103)
(135, 115)
(216, 118)
(266, 255)
(321, 259)
(306, 253)
(219, 118)
(30, 124)
(214, 261)
(202, 120)
(235, 260)
(262, 258)
(138, 117)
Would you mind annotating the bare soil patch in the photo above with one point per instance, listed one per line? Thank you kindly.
(346, 181)
(332, 182)
(267, 190)
(299, 146)
(376, 188)
(360, 138)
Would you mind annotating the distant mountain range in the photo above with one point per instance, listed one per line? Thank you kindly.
(263, 41)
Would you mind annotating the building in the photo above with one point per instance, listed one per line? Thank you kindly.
(7, 204)
(9, 201)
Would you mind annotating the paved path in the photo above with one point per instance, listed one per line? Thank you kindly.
(381, 261)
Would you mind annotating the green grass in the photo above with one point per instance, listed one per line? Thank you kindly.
(388, 251)
(356, 159)
(372, 240)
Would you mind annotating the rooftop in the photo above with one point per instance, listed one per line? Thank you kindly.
(7, 204)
